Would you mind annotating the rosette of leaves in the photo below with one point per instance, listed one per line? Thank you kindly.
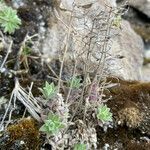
(74, 83)
(26, 51)
(52, 125)
(104, 113)
(80, 146)
(49, 90)
(9, 19)
(117, 21)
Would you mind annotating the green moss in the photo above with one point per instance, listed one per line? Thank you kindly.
(128, 102)
(25, 130)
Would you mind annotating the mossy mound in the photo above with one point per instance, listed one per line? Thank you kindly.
(130, 104)
(22, 135)
(130, 107)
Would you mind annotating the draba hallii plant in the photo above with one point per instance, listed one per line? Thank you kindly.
(9, 19)
(75, 82)
(80, 146)
(52, 124)
(49, 90)
(117, 21)
(26, 51)
(104, 113)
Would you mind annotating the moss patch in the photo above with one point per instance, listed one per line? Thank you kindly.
(130, 103)
(24, 132)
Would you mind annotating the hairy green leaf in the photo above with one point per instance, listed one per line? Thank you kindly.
(9, 20)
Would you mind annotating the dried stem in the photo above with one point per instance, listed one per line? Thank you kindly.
(65, 51)
(8, 52)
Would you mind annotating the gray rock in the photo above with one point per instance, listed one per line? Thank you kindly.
(146, 73)
(146, 67)
(124, 53)
(141, 5)
(130, 46)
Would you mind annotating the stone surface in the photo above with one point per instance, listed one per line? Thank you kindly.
(141, 5)
(140, 22)
(146, 66)
(130, 46)
(146, 73)
(66, 26)
(143, 31)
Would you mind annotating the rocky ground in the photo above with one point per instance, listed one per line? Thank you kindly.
(49, 29)
(139, 17)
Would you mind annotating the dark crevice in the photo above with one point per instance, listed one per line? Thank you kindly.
(138, 14)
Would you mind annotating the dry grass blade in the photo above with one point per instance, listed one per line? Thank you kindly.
(8, 52)
(27, 99)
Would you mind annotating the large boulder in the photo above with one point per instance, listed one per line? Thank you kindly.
(71, 22)
(130, 46)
